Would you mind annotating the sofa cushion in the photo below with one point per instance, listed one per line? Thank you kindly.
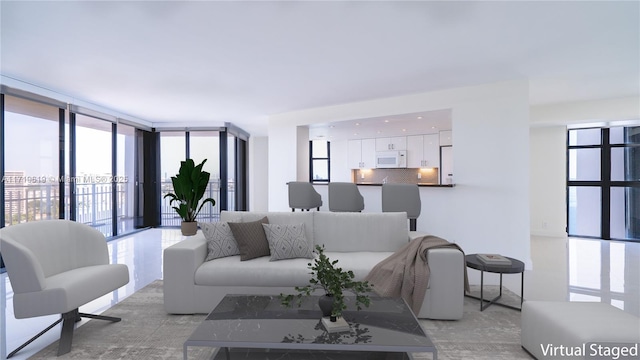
(230, 271)
(360, 262)
(287, 242)
(251, 239)
(360, 231)
(220, 240)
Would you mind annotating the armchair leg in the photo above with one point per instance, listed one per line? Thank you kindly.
(34, 338)
(68, 320)
(100, 317)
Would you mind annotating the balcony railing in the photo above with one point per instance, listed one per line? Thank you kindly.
(32, 202)
(208, 213)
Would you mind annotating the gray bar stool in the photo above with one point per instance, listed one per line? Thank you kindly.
(303, 196)
(345, 197)
(402, 198)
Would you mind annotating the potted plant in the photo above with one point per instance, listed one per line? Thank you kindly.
(326, 275)
(189, 186)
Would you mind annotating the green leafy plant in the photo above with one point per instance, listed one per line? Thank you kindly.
(326, 275)
(189, 186)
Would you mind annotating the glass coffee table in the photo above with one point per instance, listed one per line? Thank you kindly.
(259, 327)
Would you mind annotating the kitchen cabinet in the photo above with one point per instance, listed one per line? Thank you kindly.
(446, 138)
(361, 154)
(391, 143)
(423, 151)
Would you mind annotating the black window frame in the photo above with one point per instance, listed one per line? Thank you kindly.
(605, 183)
(311, 160)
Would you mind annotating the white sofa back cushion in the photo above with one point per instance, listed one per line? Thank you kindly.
(341, 232)
(282, 218)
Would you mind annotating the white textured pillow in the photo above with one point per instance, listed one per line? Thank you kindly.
(220, 240)
(287, 241)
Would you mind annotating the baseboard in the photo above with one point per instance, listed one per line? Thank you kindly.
(555, 234)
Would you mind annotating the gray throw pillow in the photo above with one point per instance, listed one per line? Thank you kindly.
(287, 242)
(250, 238)
(220, 241)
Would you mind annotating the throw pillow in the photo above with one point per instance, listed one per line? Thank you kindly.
(220, 241)
(250, 238)
(287, 242)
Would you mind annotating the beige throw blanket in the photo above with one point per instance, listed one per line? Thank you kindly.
(406, 273)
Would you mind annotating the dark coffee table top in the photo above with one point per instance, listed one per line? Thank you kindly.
(260, 321)
(516, 266)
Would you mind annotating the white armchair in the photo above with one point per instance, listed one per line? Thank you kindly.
(55, 266)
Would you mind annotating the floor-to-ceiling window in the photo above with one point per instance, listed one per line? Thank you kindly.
(125, 178)
(225, 152)
(604, 183)
(231, 172)
(206, 145)
(68, 162)
(94, 175)
(31, 161)
(172, 152)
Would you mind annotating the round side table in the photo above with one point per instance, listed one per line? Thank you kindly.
(516, 267)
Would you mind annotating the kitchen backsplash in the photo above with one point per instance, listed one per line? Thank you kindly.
(398, 176)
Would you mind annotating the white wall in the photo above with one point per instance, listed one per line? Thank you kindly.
(302, 145)
(488, 210)
(596, 111)
(548, 181)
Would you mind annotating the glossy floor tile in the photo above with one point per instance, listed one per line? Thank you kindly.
(562, 269)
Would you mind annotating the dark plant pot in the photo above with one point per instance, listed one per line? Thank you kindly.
(326, 305)
(189, 228)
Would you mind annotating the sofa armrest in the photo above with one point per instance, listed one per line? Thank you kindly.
(445, 295)
(180, 263)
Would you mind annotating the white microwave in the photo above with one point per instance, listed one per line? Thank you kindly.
(391, 159)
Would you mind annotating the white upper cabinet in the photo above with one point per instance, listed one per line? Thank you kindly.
(446, 138)
(354, 153)
(431, 151)
(369, 153)
(391, 143)
(415, 144)
(361, 153)
(423, 151)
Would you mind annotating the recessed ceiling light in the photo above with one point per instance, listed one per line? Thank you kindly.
(433, 127)
(419, 117)
(332, 126)
(355, 134)
(379, 132)
(386, 121)
(357, 124)
(404, 129)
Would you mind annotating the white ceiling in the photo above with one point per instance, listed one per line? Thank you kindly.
(205, 62)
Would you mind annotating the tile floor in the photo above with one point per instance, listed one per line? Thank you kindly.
(563, 269)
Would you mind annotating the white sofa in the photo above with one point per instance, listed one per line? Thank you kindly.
(357, 240)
